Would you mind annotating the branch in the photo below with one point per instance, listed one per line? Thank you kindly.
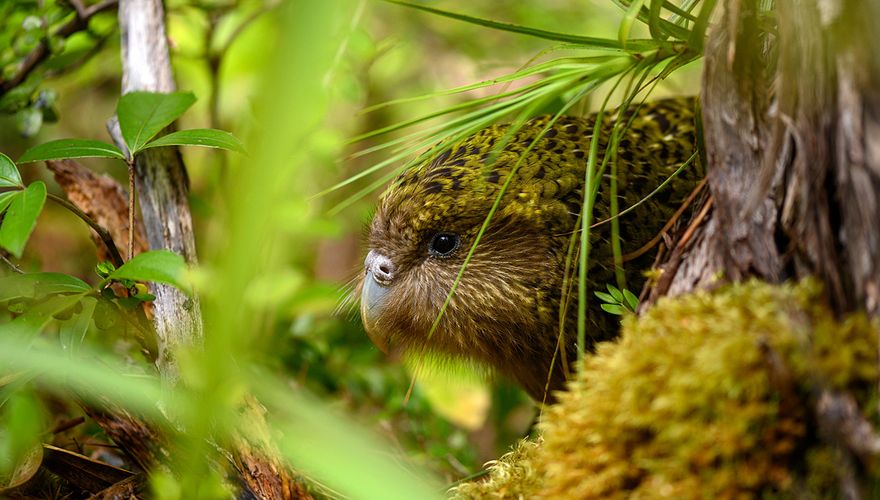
(79, 23)
(102, 233)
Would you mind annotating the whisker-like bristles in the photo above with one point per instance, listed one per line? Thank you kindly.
(348, 302)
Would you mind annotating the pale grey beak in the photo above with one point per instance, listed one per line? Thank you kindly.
(379, 272)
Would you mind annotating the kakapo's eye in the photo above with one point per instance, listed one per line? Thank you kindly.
(443, 244)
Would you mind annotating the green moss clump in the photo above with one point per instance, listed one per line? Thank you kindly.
(511, 476)
(709, 395)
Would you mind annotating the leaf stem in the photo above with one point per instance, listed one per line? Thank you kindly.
(9, 263)
(130, 164)
(102, 233)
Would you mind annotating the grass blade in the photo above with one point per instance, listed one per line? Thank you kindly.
(585, 41)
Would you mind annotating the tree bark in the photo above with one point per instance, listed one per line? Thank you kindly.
(792, 140)
(793, 144)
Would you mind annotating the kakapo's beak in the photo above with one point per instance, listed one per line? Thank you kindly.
(379, 276)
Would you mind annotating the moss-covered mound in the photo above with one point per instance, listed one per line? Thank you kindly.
(710, 395)
(511, 476)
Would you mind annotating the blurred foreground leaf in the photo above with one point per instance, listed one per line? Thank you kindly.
(21, 218)
(31, 285)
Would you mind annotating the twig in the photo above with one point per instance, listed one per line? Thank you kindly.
(672, 220)
(10, 263)
(673, 262)
(67, 425)
(79, 23)
(102, 233)
(130, 209)
(686, 237)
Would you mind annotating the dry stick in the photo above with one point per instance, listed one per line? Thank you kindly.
(674, 260)
(67, 425)
(672, 220)
(651, 282)
(102, 233)
(693, 227)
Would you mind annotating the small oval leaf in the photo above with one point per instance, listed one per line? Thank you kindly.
(604, 297)
(205, 137)
(161, 266)
(21, 218)
(632, 301)
(142, 115)
(9, 176)
(71, 148)
(613, 309)
(615, 292)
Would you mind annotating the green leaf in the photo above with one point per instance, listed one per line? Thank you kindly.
(6, 199)
(205, 137)
(604, 297)
(142, 115)
(626, 23)
(103, 269)
(9, 176)
(698, 33)
(20, 433)
(21, 218)
(37, 317)
(161, 266)
(106, 314)
(73, 332)
(630, 300)
(31, 285)
(613, 309)
(591, 42)
(71, 148)
(618, 297)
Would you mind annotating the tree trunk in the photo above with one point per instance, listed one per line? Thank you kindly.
(162, 188)
(161, 180)
(792, 121)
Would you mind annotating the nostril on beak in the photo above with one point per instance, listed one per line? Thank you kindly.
(380, 267)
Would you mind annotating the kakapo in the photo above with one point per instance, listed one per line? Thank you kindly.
(509, 308)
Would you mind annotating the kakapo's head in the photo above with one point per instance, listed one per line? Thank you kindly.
(508, 309)
(505, 310)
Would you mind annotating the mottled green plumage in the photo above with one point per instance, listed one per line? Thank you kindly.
(506, 311)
